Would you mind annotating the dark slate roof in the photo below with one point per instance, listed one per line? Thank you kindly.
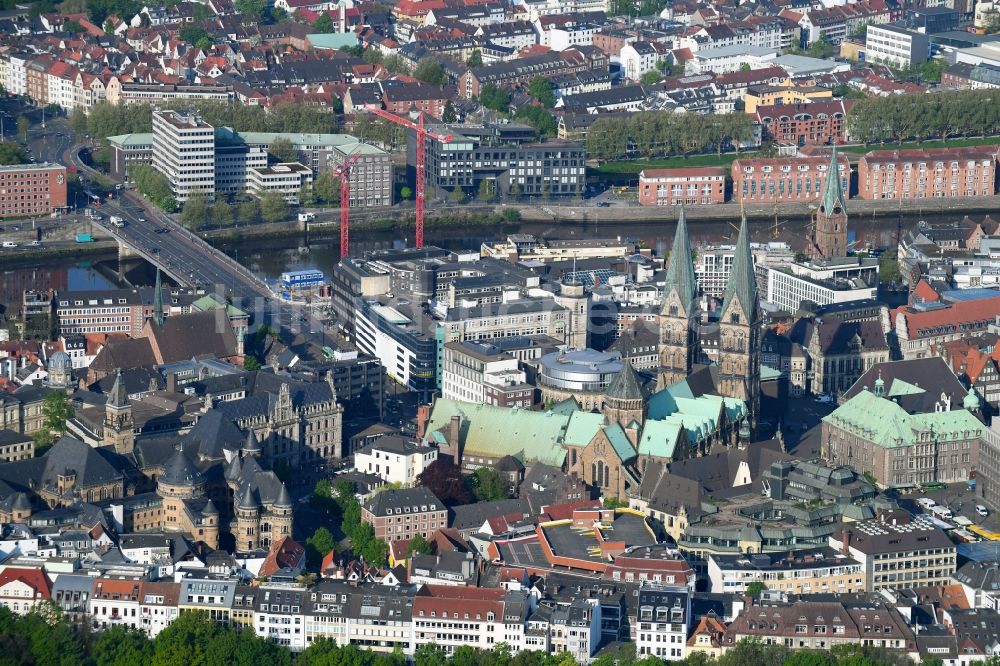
(930, 374)
(211, 435)
(414, 498)
(180, 470)
(472, 516)
(836, 336)
(131, 353)
(626, 385)
(195, 335)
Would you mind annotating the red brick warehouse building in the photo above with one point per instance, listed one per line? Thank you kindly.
(780, 179)
(690, 186)
(32, 189)
(926, 174)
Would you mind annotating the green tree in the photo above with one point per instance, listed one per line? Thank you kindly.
(283, 150)
(73, 26)
(651, 77)
(540, 88)
(326, 189)
(11, 153)
(405, 193)
(246, 211)
(888, 270)
(109, 27)
(449, 115)
(615, 503)
(192, 34)
(122, 646)
(457, 195)
(622, 8)
(195, 212)
(78, 121)
(475, 59)
(319, 544)
(487, 189)
(395, 64)
(252, 9)
(56, 411)
(251, 363)
(755, 588)
(419, 545)
(372, 56)
(430, 70)
(489, 485)
(931, 70)
(430, 654)
(23, 124)
(68, 7)
(495, 98)
(222, 213)
(324, 24)
(273, 207)
(539, 118)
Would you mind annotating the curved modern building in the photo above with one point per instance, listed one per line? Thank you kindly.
(580, 373)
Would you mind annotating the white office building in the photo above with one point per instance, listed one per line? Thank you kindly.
(892, 45)
(395, 459)
(822, 282)
(184, 152)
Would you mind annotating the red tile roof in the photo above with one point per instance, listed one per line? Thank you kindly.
(36, 579)
(924, 324)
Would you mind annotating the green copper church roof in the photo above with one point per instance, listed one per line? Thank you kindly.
(887, 425)
(742, 285)
(833, 192)
(494, 432)
(680, 271)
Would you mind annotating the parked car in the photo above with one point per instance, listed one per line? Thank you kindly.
(982, 510)
(9, 244)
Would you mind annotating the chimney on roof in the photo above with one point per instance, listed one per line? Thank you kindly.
(846, 542)
(171, 382)
(453, 435)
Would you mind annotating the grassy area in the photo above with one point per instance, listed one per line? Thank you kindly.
(950, 143)
(633, 167)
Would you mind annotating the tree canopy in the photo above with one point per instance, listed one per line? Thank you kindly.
(494, 98)
(662, 135)
(430, 70)
(944, 115)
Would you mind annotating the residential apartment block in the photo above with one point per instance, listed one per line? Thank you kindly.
(400, 515)
(804, 124)
(813, 571)
(822, 282)
(928, 173)
(682, 187)
(481, 372)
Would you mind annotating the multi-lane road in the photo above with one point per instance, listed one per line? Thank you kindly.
(184, 256)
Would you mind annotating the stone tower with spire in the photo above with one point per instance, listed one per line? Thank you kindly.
(624, 398)
(280, 517)
(247, 509)
(830, 232)
(573, 296)
(740, 333)
(678, 312)
(118, 424)
(158, 299)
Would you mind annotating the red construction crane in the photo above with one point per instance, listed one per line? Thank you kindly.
(422, 134)
(344, 171)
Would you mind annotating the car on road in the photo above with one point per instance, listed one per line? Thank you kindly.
(603, 204)
(9, 244)
(162, 230)
(982, 510)
(34, 243)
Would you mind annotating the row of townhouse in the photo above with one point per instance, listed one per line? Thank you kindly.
(380, 617)
(47, 80)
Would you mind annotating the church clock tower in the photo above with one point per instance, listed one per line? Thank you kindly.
(678, 312)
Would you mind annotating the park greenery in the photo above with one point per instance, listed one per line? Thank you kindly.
(46, 637)
(897, 118)
(654, 135)
(109, 120)
(340, 500)
(153, 185)
(448, 483)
